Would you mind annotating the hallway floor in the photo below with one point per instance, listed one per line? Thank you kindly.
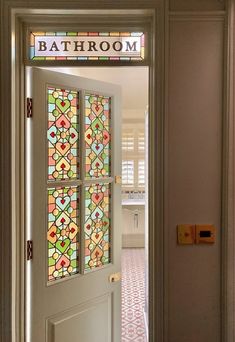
(133, 295)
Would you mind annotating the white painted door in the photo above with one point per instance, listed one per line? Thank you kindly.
(75, 209)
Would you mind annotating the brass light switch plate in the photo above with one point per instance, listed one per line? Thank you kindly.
(186, 234)
(205, 233)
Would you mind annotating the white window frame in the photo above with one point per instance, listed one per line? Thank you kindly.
(134, 128)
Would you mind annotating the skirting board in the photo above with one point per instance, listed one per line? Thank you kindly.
(133, 240)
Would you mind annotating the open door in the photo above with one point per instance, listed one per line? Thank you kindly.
(75, 206)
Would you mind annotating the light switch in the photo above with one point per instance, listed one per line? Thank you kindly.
(205, 233)
(186, 234)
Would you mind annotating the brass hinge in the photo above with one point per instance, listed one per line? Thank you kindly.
(29, 107)
(118, 179)
(29, 250)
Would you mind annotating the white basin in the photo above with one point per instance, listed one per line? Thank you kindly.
(133, 204)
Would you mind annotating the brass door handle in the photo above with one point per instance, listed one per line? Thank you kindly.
(113, 278)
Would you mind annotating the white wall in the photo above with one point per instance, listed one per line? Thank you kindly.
(137, 113)
(133, 82)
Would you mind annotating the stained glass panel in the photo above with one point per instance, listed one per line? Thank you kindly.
(63, 232)
(102, 46)
(97, 226)
(62, 134)
(97, 136)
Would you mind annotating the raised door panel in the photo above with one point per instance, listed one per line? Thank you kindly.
(88, 322)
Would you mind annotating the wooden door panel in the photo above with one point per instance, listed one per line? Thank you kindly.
(73, 306)
(76, 323)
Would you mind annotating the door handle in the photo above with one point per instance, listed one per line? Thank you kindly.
(113, 278)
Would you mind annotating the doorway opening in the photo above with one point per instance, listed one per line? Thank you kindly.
(134, 200)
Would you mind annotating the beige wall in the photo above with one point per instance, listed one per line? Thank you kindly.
(197, 5)
(194, 142)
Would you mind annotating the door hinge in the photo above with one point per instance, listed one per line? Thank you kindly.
(29, 107)
(118, 179)
(29, 250)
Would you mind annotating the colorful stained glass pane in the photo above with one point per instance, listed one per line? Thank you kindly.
(97, 136)
(62, 134)
(63, 232)
(83, 46)
(97, 226)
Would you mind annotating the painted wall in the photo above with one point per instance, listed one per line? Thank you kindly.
(194, 133)
(197, 5)
(133, 82)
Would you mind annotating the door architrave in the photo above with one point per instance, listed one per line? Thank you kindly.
(21, 19)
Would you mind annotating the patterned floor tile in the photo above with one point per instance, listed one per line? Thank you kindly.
(133, 295)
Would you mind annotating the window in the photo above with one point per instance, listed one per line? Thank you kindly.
(128, 172)
(141, 142)
(128, 141)
(133, 156)
(141, 173)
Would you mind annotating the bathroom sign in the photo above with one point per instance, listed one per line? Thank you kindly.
(87, 46)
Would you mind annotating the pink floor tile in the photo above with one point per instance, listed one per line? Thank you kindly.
(133, 295)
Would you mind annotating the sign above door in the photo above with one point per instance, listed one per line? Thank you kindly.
(103, 46)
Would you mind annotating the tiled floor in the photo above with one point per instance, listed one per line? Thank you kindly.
(133, 295)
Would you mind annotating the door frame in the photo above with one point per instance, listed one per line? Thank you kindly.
(147, 16)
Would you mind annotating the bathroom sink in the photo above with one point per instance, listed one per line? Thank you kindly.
(133, 204)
